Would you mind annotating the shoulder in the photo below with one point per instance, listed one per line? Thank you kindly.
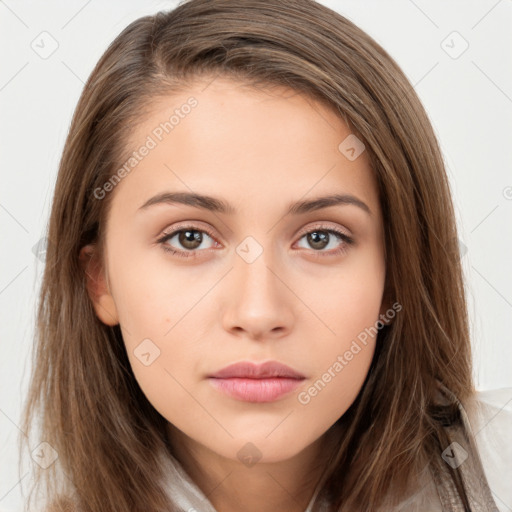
(489, 421)
(490, 417)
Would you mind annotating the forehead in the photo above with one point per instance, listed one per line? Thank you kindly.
(248, 145)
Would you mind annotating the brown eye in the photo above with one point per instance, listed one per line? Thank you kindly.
(320, 238)
(187, 241)
(190, 238)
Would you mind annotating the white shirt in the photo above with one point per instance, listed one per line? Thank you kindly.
(491, 425)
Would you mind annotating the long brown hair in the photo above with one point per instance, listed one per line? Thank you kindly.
(91, 409)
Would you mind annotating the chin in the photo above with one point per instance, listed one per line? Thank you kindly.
(267, 450)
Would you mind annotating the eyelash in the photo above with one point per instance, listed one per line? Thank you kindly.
(192, 254)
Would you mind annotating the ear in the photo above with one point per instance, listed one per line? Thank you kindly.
(97, 285)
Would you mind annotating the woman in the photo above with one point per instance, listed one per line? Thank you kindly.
(253, 298)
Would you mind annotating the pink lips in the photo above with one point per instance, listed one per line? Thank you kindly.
(256, 382)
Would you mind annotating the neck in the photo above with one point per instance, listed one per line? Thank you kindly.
(231, 486)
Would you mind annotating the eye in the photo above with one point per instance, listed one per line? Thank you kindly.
(321, 237)
(189, 237)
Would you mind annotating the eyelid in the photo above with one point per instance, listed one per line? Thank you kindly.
(194, 224)
(322, 225)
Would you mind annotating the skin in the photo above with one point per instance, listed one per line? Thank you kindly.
(259, 150)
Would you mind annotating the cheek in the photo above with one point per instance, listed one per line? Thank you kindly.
(348, 299)
(341, 362)
(158, 319)
(327, 397)
(342, 355)
(149, 300)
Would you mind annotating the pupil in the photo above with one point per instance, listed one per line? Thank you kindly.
(191, 235)
(318, 239)
(190, 239)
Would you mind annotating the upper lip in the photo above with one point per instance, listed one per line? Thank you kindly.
(251, 370)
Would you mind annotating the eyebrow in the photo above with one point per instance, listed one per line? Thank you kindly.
(217, 205)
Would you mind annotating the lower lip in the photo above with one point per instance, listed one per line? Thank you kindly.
(256, 390)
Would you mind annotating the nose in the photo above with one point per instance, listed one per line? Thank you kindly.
(258, 304)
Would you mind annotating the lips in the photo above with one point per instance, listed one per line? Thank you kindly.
(250, 382)
(250, 370)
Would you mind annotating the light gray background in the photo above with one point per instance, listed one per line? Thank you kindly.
(468, 98)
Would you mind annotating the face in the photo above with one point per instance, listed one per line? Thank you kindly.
(261, 273)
